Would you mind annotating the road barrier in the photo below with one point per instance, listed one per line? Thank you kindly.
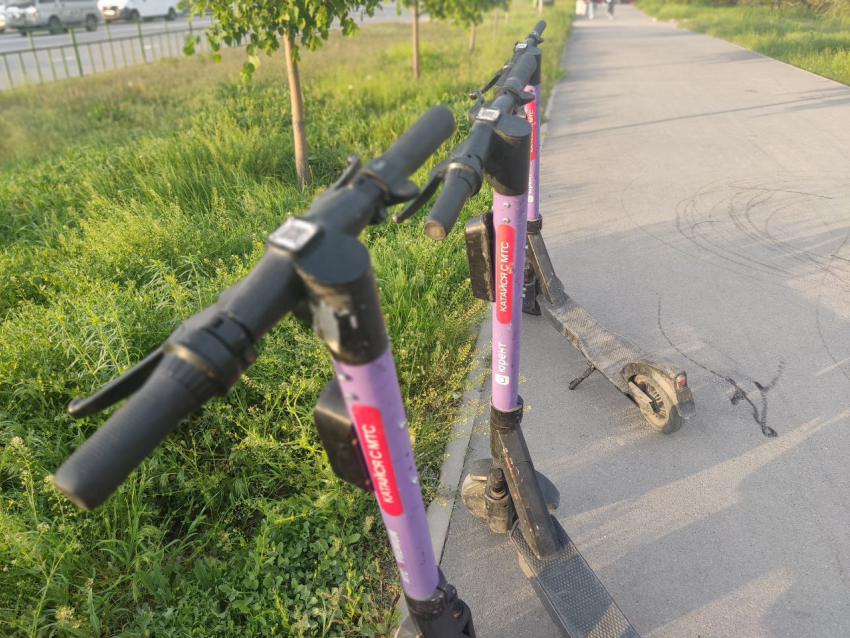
(36, 65)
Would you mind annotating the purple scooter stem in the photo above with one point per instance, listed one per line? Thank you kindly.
(509, 219)
(373, 399)
(532, 114)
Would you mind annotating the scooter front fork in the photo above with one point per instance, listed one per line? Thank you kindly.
(506, 489)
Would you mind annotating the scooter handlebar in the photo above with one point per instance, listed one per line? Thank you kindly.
(417, 144)
(520, 74)
(459, 184)
(538, 28)
(206, 360)
(99, 466)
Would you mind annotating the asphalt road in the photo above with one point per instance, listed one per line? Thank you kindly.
(12, 40)
(111, 48)
(695, 198)
(99, 50)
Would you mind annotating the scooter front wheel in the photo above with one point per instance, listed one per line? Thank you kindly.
(472, 493)
(661, 412)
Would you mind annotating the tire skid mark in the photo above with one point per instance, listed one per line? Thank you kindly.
(730, 204)
(759, 413)
(818, 324)
(786, 190)
(756, 281)
(686, 214)
(804, 256)
(753, 205)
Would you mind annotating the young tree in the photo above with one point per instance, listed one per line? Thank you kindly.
(414, 8)
(466, 13)
(417, 8)
(262, 24)
(463, 13)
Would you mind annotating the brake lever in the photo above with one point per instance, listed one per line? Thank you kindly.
(134, 378)
(435, 178)
(493, 81)
(478, 94)
(117, 389)
(353, 164)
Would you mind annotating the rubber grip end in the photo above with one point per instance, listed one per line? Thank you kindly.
(435, 230)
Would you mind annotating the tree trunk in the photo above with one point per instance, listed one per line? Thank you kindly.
(495, 22)
(472, 37)
(415, 8)
(299, 132)
(507, 17)
(539, 6)
(777, 4)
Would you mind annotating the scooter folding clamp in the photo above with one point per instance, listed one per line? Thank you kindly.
(506, 421)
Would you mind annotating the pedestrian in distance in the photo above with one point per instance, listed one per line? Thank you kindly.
(610, 4)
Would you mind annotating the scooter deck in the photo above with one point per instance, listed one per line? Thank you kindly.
(606, 350)
(577, 601)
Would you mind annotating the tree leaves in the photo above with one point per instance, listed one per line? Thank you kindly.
(263, 22)
(461, 13)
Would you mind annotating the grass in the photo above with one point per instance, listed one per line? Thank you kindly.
(128, 200)
(815, 41)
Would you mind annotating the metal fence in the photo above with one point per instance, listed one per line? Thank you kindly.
(36, 65)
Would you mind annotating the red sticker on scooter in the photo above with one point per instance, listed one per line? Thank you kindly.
(531, 117)
(504, 272)
(370, 428)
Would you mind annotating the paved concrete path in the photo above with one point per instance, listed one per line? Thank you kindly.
(696, 198)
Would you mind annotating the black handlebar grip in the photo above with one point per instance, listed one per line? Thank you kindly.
(520, 74)
(459, 185)
(96, 469)
(417, 144)
(538, 28)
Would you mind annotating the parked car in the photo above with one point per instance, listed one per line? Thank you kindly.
(2, 19)
(54, 15)
(135, 10)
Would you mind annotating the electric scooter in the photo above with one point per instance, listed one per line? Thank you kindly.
(656, 385)
(505, 490)
(315, 267)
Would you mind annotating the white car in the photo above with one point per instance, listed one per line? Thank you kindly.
(54, 15)
(135, 10)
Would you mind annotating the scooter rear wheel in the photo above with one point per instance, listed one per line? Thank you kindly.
(662, 415)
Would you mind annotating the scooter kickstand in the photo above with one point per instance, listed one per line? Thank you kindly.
(575, 382)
